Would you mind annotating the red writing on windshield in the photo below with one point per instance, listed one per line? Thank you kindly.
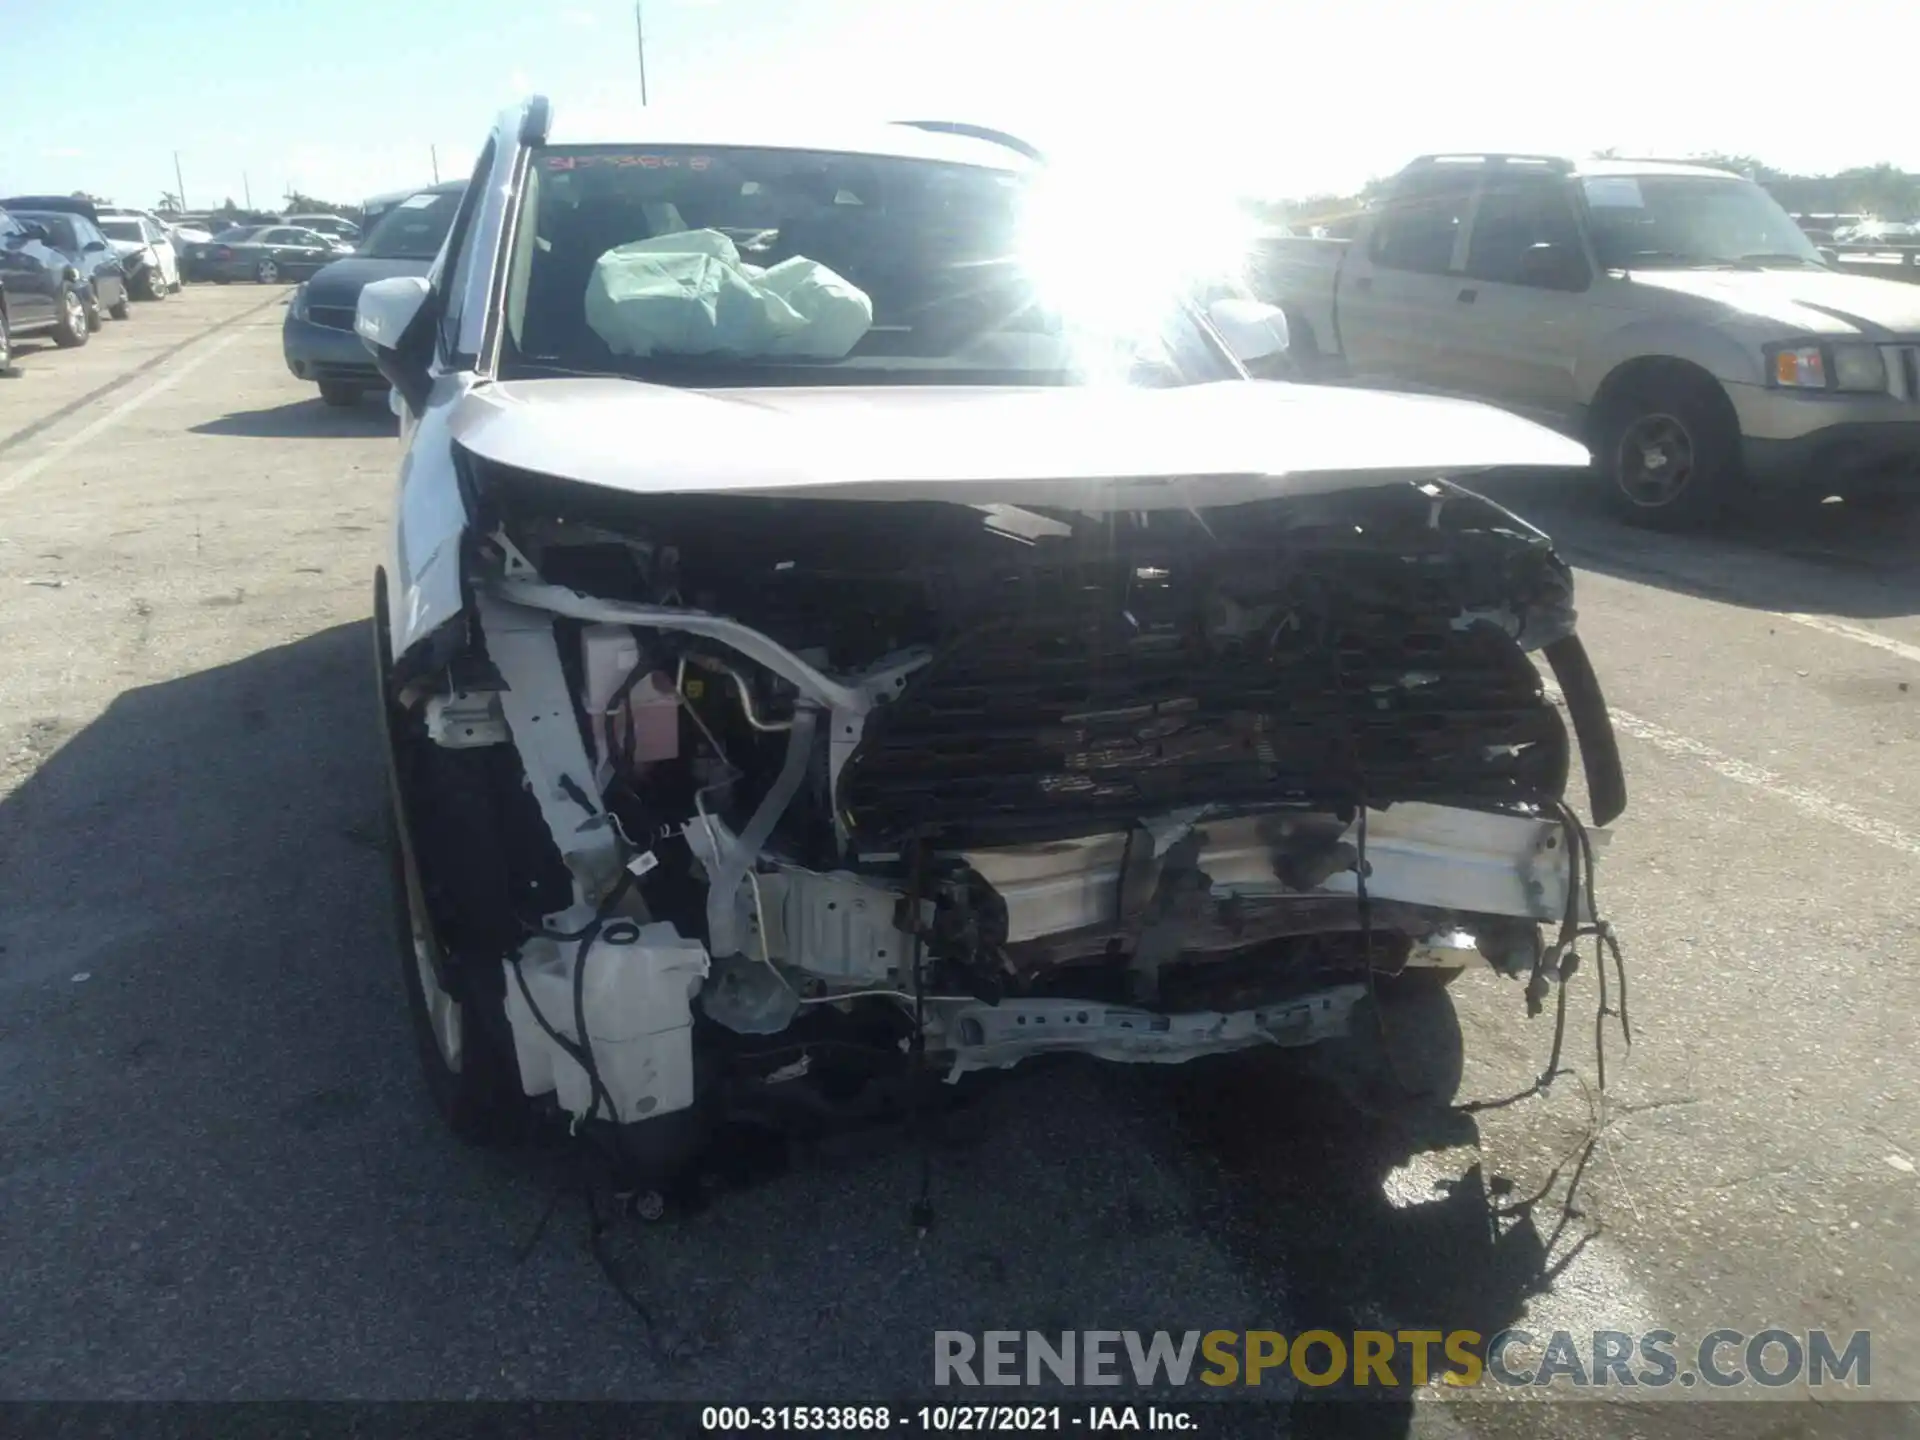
(630, 162)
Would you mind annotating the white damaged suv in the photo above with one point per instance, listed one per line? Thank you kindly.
(829, 640)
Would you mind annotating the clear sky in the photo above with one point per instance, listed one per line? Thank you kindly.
(343, 98)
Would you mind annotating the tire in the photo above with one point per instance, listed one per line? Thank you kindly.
(1668, 447)
(465, 1045)
(340, 393)
(6, 343)
(121, 308)
(267, 272)
(152, 287)
(220, 281)
(73, 328)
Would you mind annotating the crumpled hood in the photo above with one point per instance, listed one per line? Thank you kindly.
(1817, 302)
(128, 247)
(1087, 447)
(340, 283)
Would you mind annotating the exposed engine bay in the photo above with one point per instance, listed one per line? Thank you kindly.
(740, 785)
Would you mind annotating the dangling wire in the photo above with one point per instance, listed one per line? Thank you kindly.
(1580, 862)
(1363, 898)
(1563, 958)
(921, 1211)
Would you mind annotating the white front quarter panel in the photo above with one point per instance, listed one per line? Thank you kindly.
(423, 573)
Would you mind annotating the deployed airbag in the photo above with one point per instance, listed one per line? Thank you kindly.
(690, 293)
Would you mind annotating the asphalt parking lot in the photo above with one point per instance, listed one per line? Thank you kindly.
(220, 1177)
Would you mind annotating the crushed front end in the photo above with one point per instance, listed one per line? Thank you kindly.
(763, 793)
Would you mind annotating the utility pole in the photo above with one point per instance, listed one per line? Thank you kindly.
(246, 189)
(640, 40)
(180, 186)
(434, 152)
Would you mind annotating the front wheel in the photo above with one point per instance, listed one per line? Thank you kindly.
(120, 308)
(72, 328)
(152, 286)
(465, 1042)
(267, 272)
(1670, 453)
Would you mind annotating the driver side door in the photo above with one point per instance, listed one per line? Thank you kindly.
(1521, 307)
(306, 251)
(30, 274)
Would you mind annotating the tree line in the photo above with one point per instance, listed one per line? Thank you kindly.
(295, 202)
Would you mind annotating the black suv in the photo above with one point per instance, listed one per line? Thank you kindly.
(40, 288)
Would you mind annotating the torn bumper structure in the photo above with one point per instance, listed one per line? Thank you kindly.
(739, 785)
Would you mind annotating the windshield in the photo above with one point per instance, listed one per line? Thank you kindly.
(731, 266)
(1642, 221)
(59, 227)
(121, 229)
(413, 229)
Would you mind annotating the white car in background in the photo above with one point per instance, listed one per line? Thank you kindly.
(146, 252)
(835, 633)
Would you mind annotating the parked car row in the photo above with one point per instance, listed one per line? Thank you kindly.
(66, 268)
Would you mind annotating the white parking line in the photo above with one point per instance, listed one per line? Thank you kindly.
(59, 449)
(1808, 802)
(1857, 633)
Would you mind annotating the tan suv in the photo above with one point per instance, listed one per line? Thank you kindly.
(1672, 317)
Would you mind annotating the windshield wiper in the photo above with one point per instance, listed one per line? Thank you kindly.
(1765, 258)
(1670, 257)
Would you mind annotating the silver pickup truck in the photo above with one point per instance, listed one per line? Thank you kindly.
(1672, 317)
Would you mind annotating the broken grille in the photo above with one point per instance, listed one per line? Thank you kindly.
(1027, 726)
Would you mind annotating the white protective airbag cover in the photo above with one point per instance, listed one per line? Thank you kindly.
(690, 293)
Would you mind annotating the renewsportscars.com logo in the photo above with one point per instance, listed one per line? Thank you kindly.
(1385, 1359)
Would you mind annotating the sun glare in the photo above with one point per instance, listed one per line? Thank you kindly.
(1112, 258)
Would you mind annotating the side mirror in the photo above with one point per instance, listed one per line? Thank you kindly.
(1255, 331)
(393, 321)
(94, 245)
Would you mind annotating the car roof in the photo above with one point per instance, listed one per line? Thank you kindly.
(638, 126)
(51, 204)
(1588, 169)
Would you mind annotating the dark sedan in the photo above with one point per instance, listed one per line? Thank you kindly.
(317, 336)
(94, 265)
(39, 290)
(266, 253)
